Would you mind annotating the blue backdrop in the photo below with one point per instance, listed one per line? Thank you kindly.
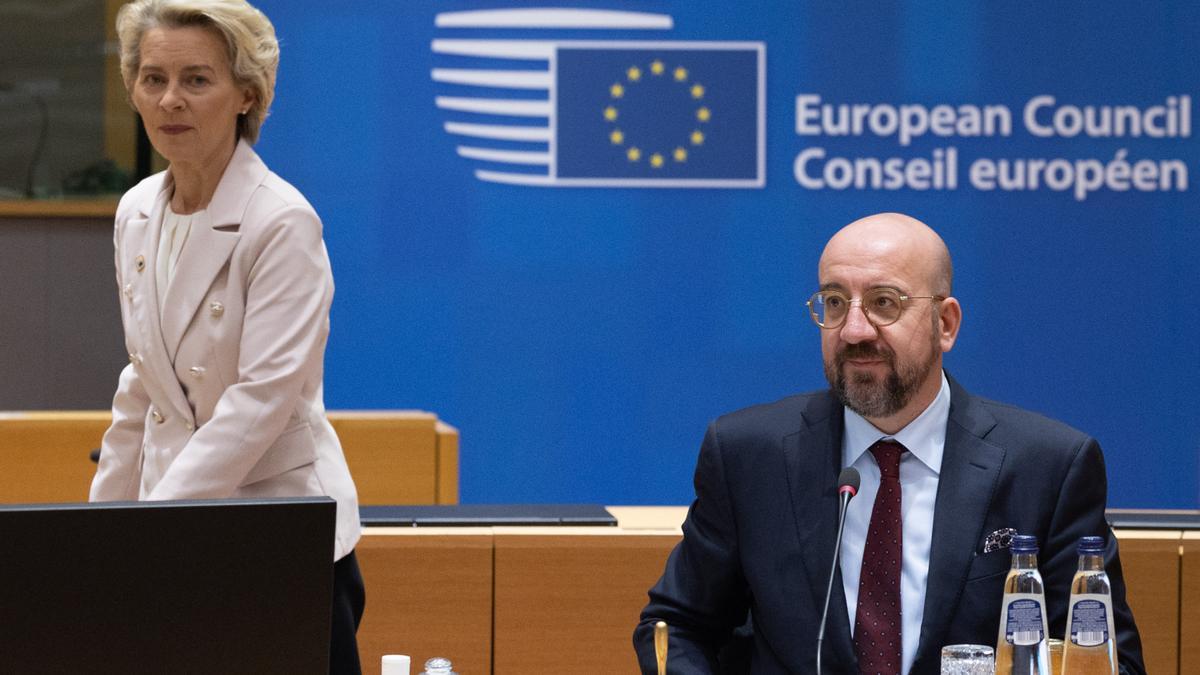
(582, 337)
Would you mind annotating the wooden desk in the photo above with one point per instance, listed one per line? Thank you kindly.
(571, 597)
(44, 455)
(399, 456)
(1150, 562)
(559, 599)
(1189, 621)
(429, 593)
(566, 599)
(395, 456)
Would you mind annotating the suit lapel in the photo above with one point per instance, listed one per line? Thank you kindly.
(210, 243)
(813, 459)
(142, 233)
(970, 468)
(205, 253)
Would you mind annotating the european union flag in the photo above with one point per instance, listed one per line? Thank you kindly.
(664, 113)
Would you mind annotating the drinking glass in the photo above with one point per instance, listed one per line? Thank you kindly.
(968, 660)
(1056, 655)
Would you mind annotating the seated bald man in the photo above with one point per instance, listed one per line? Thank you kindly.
(947, 478)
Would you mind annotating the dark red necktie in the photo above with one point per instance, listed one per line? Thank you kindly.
(877, 622)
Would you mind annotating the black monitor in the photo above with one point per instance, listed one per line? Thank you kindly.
(228, 586)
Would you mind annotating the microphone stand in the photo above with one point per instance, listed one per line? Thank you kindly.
(847, 488)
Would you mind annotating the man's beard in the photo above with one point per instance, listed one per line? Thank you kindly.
(863, 393)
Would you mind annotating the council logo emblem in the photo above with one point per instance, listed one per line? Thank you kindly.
(545, 111)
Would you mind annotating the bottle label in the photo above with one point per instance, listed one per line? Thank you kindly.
(1024, 619)
(1089, 615)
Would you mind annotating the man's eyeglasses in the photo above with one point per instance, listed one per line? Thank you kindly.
(882, 306)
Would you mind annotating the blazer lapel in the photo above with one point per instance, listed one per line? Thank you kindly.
(205, 253)
(813, 459)
(142, 234)
(210, 243)
(970, 468)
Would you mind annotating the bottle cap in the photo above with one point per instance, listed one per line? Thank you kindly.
(1088, 545)
(396, 664)
(1024, 543)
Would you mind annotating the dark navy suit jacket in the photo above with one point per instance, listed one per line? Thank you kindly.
(760, 535)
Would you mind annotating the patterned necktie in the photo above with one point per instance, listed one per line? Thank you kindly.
(877, 622)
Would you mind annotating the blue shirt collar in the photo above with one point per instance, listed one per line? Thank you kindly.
(924, 437)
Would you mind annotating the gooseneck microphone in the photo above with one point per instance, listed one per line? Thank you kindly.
(847, 488)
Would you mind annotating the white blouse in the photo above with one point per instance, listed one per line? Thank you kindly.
(172, 237)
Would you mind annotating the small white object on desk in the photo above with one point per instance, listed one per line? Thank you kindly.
(396, 664)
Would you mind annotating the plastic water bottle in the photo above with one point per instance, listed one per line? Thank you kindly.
(1021, 644)
(1090, 640)
(438, 666)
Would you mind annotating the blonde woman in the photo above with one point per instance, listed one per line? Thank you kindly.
(225, 290)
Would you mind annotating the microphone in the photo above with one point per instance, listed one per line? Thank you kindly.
(847, 487)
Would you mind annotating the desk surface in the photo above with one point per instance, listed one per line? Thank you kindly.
(477, 515)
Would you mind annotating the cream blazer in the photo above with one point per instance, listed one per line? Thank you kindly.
(222, 396)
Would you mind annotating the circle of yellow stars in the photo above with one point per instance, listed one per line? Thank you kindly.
(612, 114)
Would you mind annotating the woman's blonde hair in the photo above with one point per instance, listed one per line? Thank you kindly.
(247, 32)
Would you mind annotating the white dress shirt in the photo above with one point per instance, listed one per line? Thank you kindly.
(925, 439)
